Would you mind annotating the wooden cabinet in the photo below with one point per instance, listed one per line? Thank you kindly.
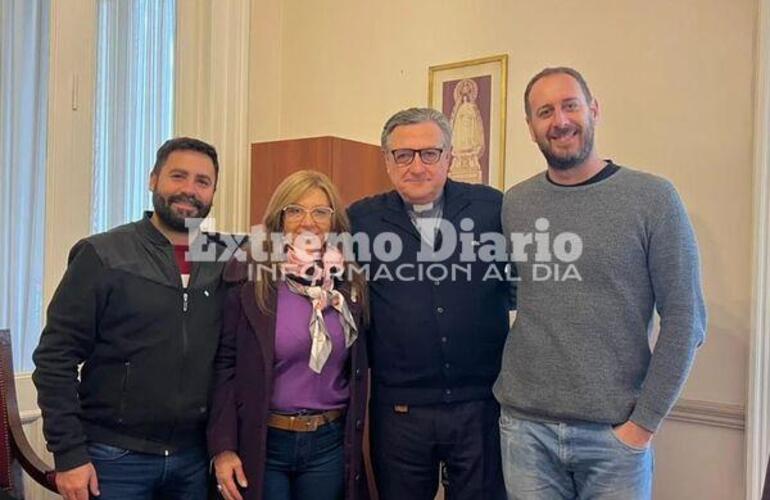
(356, 168)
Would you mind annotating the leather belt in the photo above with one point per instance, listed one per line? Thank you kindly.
(303, 423)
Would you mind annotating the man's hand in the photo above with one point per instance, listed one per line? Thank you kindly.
(226, 465)
(74, 484)
(633, 435)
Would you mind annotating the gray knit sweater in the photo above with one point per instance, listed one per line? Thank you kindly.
(579, 348)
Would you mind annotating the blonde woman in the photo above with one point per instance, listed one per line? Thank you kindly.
(290, 384)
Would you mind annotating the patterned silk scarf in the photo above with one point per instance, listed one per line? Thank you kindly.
(311, 273)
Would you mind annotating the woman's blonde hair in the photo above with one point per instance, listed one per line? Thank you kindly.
(288, 192)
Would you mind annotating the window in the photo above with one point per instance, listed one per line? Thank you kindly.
(134, 111)
(134, 104)
(24, 34)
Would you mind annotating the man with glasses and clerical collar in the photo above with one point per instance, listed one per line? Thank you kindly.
(437, 335)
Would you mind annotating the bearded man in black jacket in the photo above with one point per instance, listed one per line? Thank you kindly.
(142, 314)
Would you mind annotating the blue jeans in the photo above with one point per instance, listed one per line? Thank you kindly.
(130, 475)
(571, 461)
(304, 465)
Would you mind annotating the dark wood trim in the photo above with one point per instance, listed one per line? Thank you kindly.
(12, 438)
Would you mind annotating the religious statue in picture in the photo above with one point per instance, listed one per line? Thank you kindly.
(467, 133)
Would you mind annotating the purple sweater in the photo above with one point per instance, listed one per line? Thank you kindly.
(296, 386)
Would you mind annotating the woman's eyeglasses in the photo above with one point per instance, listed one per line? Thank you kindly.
(319, 215)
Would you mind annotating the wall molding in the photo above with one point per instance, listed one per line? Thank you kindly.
(711, 413)
(691, 411)
(25, 398)
(29, 416)
(758, 412)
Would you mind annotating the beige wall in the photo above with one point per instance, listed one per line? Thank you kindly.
(675, 85)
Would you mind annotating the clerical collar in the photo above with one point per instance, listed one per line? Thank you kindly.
(426, 218)
(425, 209)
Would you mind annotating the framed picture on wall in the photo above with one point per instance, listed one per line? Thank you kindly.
(472, 94)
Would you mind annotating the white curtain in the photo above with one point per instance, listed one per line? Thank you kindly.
(134, 104)
(24, 34)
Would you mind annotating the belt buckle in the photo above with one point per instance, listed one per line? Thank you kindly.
(304, 423)
(311, 425)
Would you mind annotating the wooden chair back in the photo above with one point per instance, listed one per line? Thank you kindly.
(14, 447)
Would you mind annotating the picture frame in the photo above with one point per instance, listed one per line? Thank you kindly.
(472, 95)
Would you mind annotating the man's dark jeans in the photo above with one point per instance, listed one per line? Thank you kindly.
(129, 475)
(409, 444)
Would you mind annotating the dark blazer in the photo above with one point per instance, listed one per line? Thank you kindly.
(432, 340)
(243, 385)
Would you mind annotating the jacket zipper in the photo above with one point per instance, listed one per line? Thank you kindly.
(185, 306)
(124, 389)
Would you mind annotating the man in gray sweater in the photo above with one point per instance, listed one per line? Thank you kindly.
(597, 248)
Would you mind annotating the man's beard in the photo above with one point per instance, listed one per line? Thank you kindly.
(173, 220)
(571, 160)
